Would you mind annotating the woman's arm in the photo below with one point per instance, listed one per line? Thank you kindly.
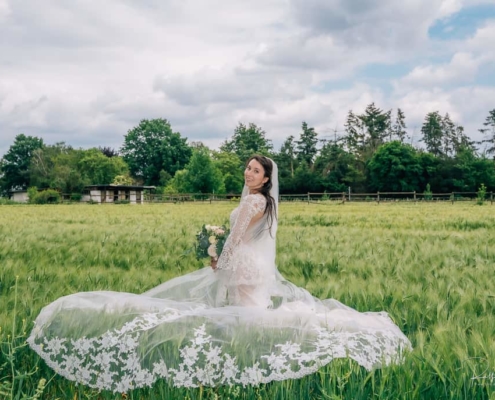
(251, 208)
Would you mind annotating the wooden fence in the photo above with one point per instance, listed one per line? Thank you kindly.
(323, 198)
(379, 197)
(310, 198)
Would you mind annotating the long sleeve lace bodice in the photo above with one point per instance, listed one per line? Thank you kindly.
(240, 220)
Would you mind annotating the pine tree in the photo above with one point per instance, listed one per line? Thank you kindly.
(377, 127)
(287, 154)
(248, 140)
(432, 133)
(399, 128)
(354, 138)
(306, 145)
(449, 133)
(489, 132)
(462, 141)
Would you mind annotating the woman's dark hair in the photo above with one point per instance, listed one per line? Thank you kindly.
(270, 210)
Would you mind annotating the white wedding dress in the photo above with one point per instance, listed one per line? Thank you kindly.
(241, 324)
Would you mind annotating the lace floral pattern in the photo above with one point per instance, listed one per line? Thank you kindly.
(240, 324)
(112, 361)
(240, 219)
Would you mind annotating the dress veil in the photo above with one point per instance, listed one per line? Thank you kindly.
(241, 324)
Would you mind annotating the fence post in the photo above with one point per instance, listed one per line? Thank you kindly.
(453, 197)
(343, 197)
(378, 197)
(308, 197)
(415, 196)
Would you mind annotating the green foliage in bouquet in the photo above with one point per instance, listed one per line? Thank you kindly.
(210, 241)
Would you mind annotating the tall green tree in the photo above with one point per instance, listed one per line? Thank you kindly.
(151, 147)
(433, 133)
(41, 167)
(305, 180)
(354, 138)
(336, 168)
(232, 170)
(368, 131)
(306, 145)
(108, 151)
(57, 167)
(248, 140)
(100, 169)
(489, 133)
(469, 171)
(15, 163)
(399, 128)
(395, 167)
(201, 174)
(286, 160)
(376, 123)
(449, 135)
(461, 141)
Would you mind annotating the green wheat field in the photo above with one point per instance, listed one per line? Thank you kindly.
(430, 266)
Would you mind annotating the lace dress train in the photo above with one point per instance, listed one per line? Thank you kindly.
(241, 324)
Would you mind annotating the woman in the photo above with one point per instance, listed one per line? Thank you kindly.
(239, 322)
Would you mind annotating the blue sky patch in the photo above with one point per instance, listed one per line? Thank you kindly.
(462, 24)
(486, 75)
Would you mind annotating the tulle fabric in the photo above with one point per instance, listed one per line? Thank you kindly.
(243, 324)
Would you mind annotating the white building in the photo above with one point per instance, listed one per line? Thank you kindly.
(115, 193)
(19, 196)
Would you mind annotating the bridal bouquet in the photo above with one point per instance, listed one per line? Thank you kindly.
(210, 241)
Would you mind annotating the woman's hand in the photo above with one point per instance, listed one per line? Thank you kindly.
(214, 261)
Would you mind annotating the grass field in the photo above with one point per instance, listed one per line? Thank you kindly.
(430, 266)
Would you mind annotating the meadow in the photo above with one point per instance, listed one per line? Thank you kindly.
(429, 265)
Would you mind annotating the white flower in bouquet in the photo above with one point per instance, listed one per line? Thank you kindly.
(212, 251)
(210, 241)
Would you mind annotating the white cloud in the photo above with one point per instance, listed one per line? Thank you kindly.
(461, 69)
(86, 72)
(4, 9)
(482, 41)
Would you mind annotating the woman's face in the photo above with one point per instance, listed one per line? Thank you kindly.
(254, 175)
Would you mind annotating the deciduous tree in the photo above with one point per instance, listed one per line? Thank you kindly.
(248, 140)
(151, 147)
(15, 163)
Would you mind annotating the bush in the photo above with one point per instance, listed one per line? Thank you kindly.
(75, 197)
(32, 192)
(481, 195)
(4, 201)
(428, 195)
(48, 196)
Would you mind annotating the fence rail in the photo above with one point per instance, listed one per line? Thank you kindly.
(378, 197)
(310, 197)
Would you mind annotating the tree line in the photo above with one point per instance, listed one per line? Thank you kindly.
(374, 154)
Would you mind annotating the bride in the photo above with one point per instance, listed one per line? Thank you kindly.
(238, 322)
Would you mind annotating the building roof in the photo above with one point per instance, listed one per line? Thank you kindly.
(122, 187)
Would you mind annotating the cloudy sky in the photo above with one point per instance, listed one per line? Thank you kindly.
(87, 71)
